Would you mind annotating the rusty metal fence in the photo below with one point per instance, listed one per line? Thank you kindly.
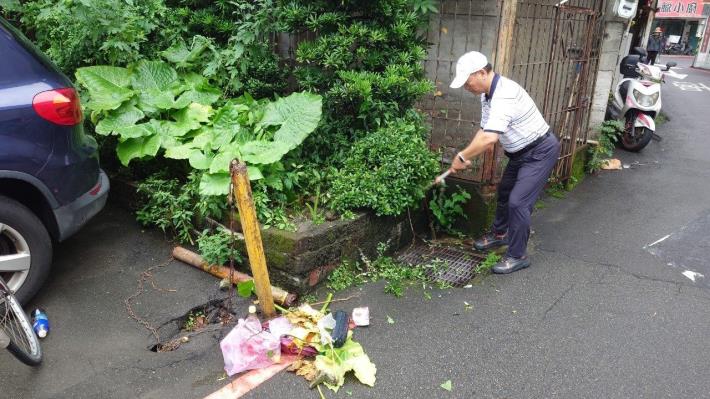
(561, 72)
(555, 53)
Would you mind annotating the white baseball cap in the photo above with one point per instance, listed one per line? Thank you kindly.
(467, 64)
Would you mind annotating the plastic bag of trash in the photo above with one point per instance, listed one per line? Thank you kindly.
(247, 347)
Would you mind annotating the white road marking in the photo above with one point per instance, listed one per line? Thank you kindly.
(692, 275)
(688, 86)
(656, 242)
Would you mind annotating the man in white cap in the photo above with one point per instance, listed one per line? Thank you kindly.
(508, 116)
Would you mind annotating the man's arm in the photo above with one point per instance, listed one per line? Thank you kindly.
(480, 143)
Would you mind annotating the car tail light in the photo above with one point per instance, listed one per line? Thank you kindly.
(60, 106)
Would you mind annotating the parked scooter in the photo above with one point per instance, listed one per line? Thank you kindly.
(637, 99)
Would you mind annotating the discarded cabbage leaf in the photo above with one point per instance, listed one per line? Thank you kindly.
(338, 361)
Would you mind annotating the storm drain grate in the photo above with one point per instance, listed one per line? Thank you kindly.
(446, 264)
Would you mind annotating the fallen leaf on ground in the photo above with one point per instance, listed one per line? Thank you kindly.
(304, 368)
(447, 385)
(390, 320)
(611, 164)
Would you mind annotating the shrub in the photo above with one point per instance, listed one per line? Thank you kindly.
(386, 171)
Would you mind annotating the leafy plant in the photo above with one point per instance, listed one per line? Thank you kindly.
(10, 5)
(150, 107)
(195, 320)
(175, 206)
(216, 248)
(661, 119)
(425, 6)
(556, 188)
(386, 268)
(484, 267)
(270, 212)
(608, 136)
(246, 289)
(367, 62)
(447, 208)
(316, 216)
(386, 171)
(89, 32)
(346, 275)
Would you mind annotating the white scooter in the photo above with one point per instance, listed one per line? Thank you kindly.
(637, 99)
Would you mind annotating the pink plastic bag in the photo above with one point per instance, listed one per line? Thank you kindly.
(247, 347)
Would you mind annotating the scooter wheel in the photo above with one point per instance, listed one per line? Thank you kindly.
(636, 138)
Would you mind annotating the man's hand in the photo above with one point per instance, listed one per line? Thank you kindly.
(458, 164)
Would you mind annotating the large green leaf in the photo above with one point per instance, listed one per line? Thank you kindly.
(178, 53)
(264, 152)
(254, 173)
(173, 129)
(141, 130)
(195, 111)
(126, 115)
(154, 100)
(153, 75)
(108, 86)
(203, 138)
(225, 124)
(214, 184)
(221, 161)
(195, 81)
(226, 117)
(201, 161)
(297, 115)
(202, 96)
(181, 151)
(137, 148)
(183, 56)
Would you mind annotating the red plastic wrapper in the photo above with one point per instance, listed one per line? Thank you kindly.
(289, 347)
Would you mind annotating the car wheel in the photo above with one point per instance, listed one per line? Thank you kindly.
(25, 249)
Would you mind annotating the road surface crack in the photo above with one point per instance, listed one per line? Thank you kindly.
(556, 301)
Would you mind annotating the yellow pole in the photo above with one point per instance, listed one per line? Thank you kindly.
(252, 236)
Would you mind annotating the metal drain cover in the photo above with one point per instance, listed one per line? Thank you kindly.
(457, 265)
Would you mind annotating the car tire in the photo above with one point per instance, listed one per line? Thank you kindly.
(21, 232)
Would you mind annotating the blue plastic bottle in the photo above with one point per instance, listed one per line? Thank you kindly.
(40, 323)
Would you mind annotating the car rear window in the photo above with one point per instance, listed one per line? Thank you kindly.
(9, 35)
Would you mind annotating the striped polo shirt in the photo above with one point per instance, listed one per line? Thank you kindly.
(510, 112)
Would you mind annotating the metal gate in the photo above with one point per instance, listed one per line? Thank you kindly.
(555, 58)
(555, 53)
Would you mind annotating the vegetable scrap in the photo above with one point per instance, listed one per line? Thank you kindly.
(322, 340)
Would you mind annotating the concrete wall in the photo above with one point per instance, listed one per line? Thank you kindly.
(702, 59)
(614, 44)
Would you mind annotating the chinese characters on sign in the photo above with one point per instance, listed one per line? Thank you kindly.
(680, 9)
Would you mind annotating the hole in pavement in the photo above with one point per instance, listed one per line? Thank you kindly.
(209, 317)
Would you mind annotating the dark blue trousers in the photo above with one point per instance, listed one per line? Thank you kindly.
(523, 180)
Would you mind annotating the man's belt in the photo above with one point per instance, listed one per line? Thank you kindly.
(519, 153)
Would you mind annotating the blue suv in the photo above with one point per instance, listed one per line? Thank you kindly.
(50, 180)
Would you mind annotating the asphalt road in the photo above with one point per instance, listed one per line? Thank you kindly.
(598, 315)
(605, 311)
(94, 349)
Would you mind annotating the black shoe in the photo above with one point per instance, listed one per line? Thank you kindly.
(490, 241)
(509, 265)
